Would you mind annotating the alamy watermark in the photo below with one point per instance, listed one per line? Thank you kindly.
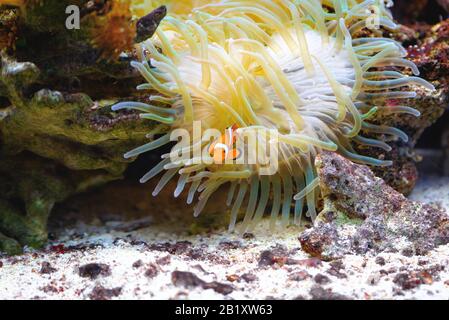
(373, 22)
(73, 20)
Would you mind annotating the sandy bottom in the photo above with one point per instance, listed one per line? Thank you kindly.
(141, 260)
(432, 189)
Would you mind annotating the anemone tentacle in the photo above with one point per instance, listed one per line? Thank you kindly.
(297, 70)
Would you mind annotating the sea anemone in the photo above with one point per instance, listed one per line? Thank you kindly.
(303, 74)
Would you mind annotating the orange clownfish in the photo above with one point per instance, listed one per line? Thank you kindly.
(224, 148)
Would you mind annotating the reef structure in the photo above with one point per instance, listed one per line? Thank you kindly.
(58, 136)
(306, 71)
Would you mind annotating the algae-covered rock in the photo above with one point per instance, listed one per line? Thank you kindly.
(362, 214)
(58, 144)
(435, 48)
(429, 50)
(425, 38)
(58, 136)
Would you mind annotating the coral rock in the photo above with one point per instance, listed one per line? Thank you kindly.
(363, 214)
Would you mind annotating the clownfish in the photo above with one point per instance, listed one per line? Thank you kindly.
(224, 147)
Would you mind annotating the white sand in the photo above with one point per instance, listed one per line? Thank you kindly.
(365, 278)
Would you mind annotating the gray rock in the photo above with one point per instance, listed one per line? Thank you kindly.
(363, 214)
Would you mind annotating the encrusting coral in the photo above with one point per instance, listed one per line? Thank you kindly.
(114, 31)
(302, 71)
